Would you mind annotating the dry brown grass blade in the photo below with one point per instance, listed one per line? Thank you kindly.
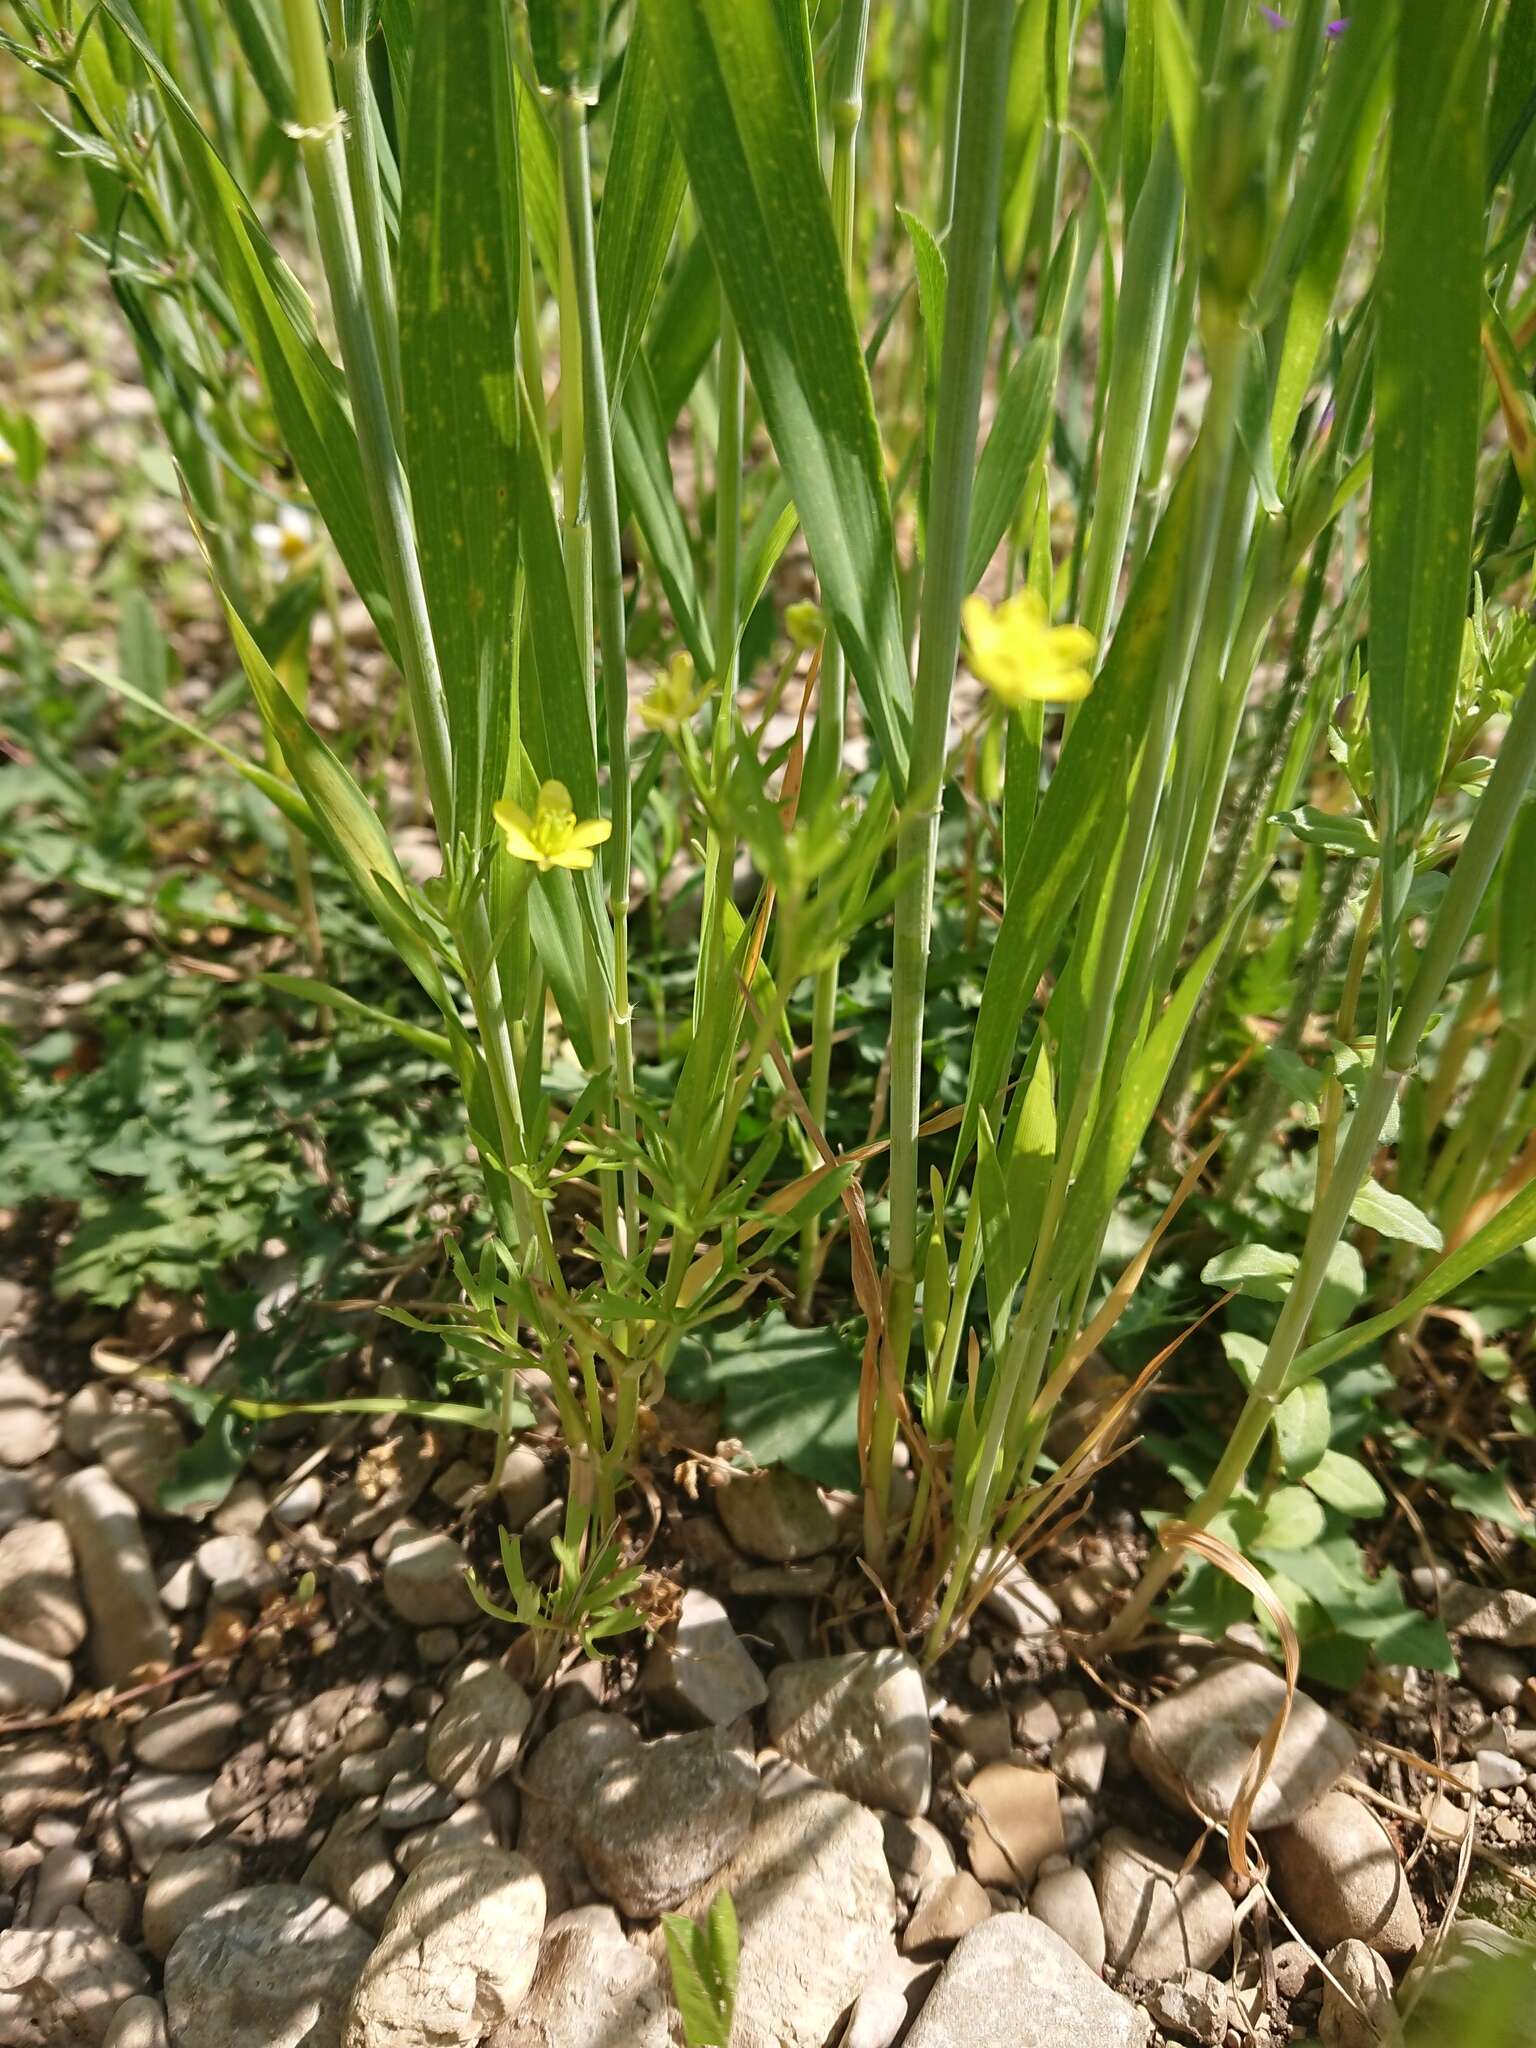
(1087, 1456)
(1175, 1536)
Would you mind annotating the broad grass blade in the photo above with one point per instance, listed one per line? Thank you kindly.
(739, 113)
(458, 312)
(1428, 368)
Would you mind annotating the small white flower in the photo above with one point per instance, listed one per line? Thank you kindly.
(286, 539)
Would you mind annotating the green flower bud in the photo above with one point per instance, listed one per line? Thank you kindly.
(806, 623)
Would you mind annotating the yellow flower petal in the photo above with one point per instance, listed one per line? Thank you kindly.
(1021, 657)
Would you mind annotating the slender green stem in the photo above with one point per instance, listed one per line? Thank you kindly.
(608, 596)
(355, 90)
(824, 768)
(323, 153)
(977, 179)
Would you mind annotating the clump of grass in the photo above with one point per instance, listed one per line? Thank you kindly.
(1220, 289)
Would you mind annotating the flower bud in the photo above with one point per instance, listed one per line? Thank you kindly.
(806, 623)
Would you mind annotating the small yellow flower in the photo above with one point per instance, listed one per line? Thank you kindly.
(1021, 657)
(673, 698)
(552, 837)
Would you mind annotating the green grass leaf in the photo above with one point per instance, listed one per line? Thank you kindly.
(1058, 856)
(458, 268)
(1427, 376)
(305, 387)
(1514, 1224)
(642, 192)
(1019, 429)
(739, 114)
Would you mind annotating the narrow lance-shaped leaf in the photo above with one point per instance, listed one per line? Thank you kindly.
(642, 192)
(458, 314)
(739, 113)
(1019, 430)
(1427, 376)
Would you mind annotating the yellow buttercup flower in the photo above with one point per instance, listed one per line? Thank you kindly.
(553, 837)
(673, 698)
(1021, 657)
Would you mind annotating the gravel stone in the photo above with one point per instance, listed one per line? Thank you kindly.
(1013, 1825)
(424, 1578)
(1193, 1746)
(1067, 1903)
(555, 1780)
(479, 1731)
(662, 1818)
(948, 1909)
(32, 1682)
(777, 1514)
(1194, 2006)
(1337, 1874)
(40, 1777)
(191, 1734)
(354, 1866)
(1490, 1614)
(1016, 1601)
(271, 1967)
(1155, 1922)
(164, 1810)
(128, 1624)
(1014, 1972)
(591, 1989)
(40, 1601)
(1357, 2010)
(60, 1986)
(457, 1955)
(138, 2024)
(524, 1487)
(699, 1672)
(182, 1887)
(917, 1854)
(860, 1723)
(29, 1425)
(815, 1906)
